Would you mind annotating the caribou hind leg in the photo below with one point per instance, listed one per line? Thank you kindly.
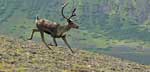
(42, 36)
(33, 31)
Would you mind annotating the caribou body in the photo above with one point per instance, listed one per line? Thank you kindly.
(54, 29)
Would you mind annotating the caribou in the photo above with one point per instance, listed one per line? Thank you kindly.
(54, 29)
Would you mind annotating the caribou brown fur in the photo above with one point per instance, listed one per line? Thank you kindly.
(54, 29)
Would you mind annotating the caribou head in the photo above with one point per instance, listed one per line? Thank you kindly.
(71, 24)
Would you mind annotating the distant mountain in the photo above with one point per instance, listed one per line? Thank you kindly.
(101, 21)
(119, 19)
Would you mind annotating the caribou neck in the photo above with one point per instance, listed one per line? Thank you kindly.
(67, 27)
(61, 29)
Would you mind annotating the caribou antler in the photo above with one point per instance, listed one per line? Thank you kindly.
(62, 10)
(73, 13)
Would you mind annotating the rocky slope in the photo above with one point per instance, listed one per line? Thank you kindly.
(28, 56)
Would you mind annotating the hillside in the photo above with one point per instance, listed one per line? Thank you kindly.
(28, 56)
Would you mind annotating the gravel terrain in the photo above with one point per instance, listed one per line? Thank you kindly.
(28, 56)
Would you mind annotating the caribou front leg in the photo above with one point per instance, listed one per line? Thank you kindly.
(33, 31)
(54, 39)
(42, 36)
(64, 39)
